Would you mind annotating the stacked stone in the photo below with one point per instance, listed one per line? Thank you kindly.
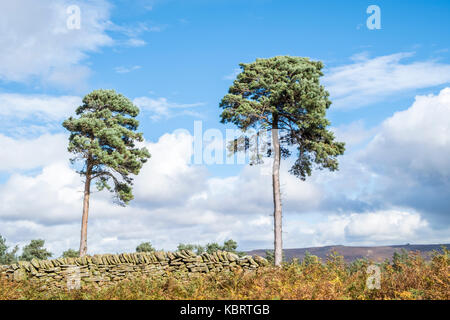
(3, 270)
(106, 268)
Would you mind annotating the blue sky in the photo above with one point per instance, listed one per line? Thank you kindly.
(175, 60)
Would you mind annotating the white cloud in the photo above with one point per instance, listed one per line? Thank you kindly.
(382, 227)
(133, 42)
(36, 43)
(174, 202)
(163, 108)
(353, 134)
(25, 154)
(367, 81)
(403, 164)
(179, 202)
(133, 32)
(126, 69)
(415, 141)
(167, 179)
(43, 107)
(51, 197)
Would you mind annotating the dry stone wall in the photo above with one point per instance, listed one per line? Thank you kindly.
(109, 268)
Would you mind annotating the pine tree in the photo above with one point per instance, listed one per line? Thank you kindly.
(145, 247)
(283, 95)
(35, 250)
(70, 253)
(7, 257)
(103, 137)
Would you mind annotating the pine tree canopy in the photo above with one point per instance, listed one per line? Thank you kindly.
(35, 249)
(103, 136)
(284, 93)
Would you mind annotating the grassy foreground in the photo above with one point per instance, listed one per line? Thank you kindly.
(408, 276)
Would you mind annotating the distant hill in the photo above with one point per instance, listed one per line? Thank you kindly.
(351, 253)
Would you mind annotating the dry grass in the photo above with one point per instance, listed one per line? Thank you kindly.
(408, 277)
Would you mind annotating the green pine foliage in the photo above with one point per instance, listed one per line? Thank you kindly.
(70, 253)
(103, 137)
(7, 257)
(228, 245)
(284, 93)
(198, 249)
(145, 247)
(270, 256)
(35, 250)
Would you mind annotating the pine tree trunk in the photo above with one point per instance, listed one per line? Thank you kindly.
(278, 244)
(84, 219)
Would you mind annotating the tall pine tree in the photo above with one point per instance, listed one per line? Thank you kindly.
(284, 96)
(103, 138)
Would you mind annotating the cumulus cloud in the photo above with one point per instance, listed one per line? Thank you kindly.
(403, 164)
(391, 225)
(25, 117)
(367, 80)
(298, 196)
(408, 158)
(51, 197)
(175, 201)
(168, 179)
(38, 107)
(37, 44)
(354, 133)
(26, 154)
(382, 227)
(392, 190)
(415, 141)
